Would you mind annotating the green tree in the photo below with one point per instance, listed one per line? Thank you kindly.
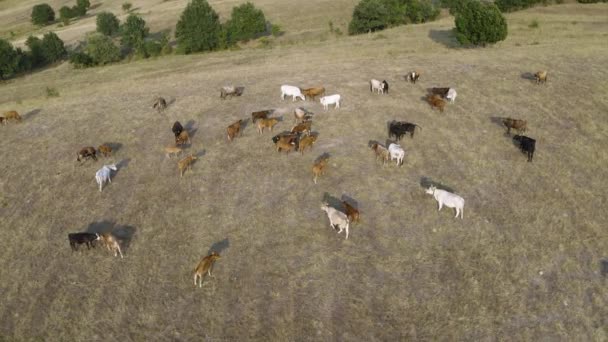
(480, 24)
(246, 22)
(81, 60)
(65, 14)
(101, 49)
(107, 24)
(133, 32)
(8, 59)
(53, 48)
(369, 15)
(42, 14)
(198, 28)
(36, 51)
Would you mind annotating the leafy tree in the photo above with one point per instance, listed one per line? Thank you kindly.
(81, 60)
(42, 14)
(102, 49)
(8, 59)
(53, 48)
(246, 22)
(65, 14)
(198, 28)
(107, 24)
(369, 15)
(133, 32)
(480, 23)
(36, 51)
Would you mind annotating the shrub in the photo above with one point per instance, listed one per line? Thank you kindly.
(374, 15)
(368, 15)
(65, 14)
(198, 28)
(86, 4)
(421, 11)
(51, 92)
(81, 60)
(152, 48)
(102, 50)
(276, 30)
(533, 24)
(246, 22)
(126, 6)
(81, 8)
(107, 23)
(42, 14)
(36, 55)
(480, 24)
(8, 60)
(53, 48)
(133, 32)
(591, 1)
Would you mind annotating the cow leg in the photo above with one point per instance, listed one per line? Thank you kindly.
(457, 212)
(347, 231)
(440, 205)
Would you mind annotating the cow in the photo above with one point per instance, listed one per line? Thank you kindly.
(82, 238)
(541, 77)
(519, 125)
(104, 175)
(177, 128)
(380, 87)
(412, 76)
(292, 91)
(527, 145)
(313, 92)
(448, 199)
(336, 218)
(396, 152)
(399, 128)
(262, 114)
(111, 244)
(329, 100)
(159, 104)
(234, 130)
(451, 95)
(204, 266)
(231, 90)
(86, 153)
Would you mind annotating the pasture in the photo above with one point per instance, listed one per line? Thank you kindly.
(525, 263)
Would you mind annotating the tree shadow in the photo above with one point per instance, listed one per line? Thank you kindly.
(29, 115)
(445, 37)
(528, 76)
(426, 183)
(219, 246)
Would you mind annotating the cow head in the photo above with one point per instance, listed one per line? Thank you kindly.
(431, 190)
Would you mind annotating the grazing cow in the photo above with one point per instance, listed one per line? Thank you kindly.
(526, 145)
(263, 123)
(292, 91)
(307, 142)
(303, 127)
(105, 150)
(86, 153)
(300, 115)
(111, 244)
(541, 77)
(230, 91)
(396, 152)
(380, 87)
(399, 128)
(204, 266)
(182, 138)
(177, 128)
(234, 130)
(185, 164)
(436, 102)
(286, 146)
(519, 125)
(413, 76)
(103, 175)
(159, 104)
(329, 100)
(287, 137)
(336, 218)
(443, 92)
(381, 152)
(351, 212)
(12, 115)
(451, 95)
(318, 168)
(80, 238)
(449, 199)
(262, 114)
(313, 92)
(171, 150)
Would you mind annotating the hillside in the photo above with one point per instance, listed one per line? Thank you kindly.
(525, 263)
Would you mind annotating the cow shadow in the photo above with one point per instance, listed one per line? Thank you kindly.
(350, 200)
(115, 146)
(325, 155)
(94, 6)
(200, 154)
(32, 113)
(219, 246)
(528, 76)
(125, 234)
(332, 201)
(244, 124)
(190, 128)
(171, 101)
(497, 120)
(604, 267)
(100, 227)
(426, 183)
(121, 165)
(445, 38)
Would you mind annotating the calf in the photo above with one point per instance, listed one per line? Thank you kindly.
(86, 153)
(449, 199)
(336, 218)
(262, 114)
(177, 128)
(436, 102)
(399, 128)
(234, 130)
(413, 76)
(105, 150)
(351, 212)
(329, 100)
(541, 77)
(301, 115)
(381, 152)
(230, 90)
(171, 150)
(185, 164)
(204, 266)
(266, 123)
(103, 175)
(526, 145)
(294, 92)
(182, 138)
(80, 238)
(519, 125)
(303, 127)
(12, 115)
(380, 87)
(396, 152)
(159, 104)
(318, 168)
(111, 244)
(286, 146)
(307, 142)
(313, 92)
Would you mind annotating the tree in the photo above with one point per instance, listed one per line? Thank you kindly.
(198, 28)
(133, 32)
(86, 4)
(8, 59)
(101, 49)
(107, 23)
(369, 15)
(81, 60)
(480, 24)
(36, 51)
(42, 14)
(53, 48)
(65, 14)
(246, 22)
(126, 6)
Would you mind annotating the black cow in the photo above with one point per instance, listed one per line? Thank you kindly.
(400, 128)
(160, 104)
(80, 238)
(526, 144)
(177, 128)
(385, 86)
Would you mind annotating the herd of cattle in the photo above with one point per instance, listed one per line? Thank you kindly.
(298, 138)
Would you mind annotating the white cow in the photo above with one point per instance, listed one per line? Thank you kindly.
(329, 100)
(336, 218)
(396, 152)
(292, 91)
(375, 85)
(451, 95)
(103, 174)
(449, 199)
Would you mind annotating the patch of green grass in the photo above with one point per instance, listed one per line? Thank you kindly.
(534, 24)
(51, 92)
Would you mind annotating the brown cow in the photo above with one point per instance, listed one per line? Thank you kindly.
(234, 130)
(312, 92)
(266, 123)
(381, 152)
(182, 138)
(86, 153)
(307, 142)
(318, 168)
(185, 164)
(436, 101)
(519, 125)
(105, 150)
(351, 212)
(541, 77)
(12, 115)
(303, 127)
(262, 114)
(204, 266)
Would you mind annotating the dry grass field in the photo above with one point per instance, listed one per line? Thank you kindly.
(525, 264)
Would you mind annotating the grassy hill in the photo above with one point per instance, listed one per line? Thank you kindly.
(524, 264)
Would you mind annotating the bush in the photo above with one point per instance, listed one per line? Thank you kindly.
(455, 6)
(591, 1)
(81, 60)
(8, 60)
(480, 24)
(65, 14)
(102, 50)
(421, 11)
(246, 22)
(126, 6)
(42, 14)
(275, 30)
(369, 15)
(36, 55)
(198, 28)
(133, 32)
(53, 48)
(51, 92)
(374, 15)
(107, 23)
(533, 24)
(86, 4)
